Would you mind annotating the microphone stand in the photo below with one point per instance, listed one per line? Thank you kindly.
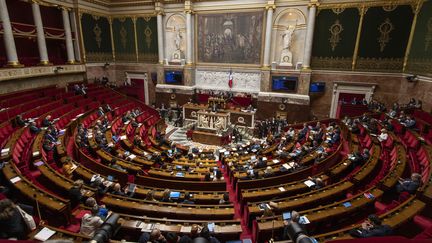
(272, 232)
(41, 222)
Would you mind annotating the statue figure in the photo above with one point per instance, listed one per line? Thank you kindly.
(178, 37)
(287, 37)
(286, 55)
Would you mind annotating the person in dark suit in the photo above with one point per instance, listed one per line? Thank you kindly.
(187, 199)
(11, 222)
(409, 185)
(76, 194)
(19, 121)
(47, 145)
(33, 128)
(371, 227)
(46, 122)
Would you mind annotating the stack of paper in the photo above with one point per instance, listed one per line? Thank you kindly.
(15, 179)
(309, 183)
(5, 151)
(44, 234)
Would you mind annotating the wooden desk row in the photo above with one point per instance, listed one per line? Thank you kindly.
(46, 199)
(334, 214)
(168, 210)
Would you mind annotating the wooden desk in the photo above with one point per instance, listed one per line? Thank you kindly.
(54, 203)
(209, 138)
(168, 210)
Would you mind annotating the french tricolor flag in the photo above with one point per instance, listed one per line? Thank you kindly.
(230, 79)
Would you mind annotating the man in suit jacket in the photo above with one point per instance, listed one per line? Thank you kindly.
(409, 185)
(33, 128)
(371, 227)
(46, 122)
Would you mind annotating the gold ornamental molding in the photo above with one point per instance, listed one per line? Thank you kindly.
(28, 72)
(385, 29)
(386, 4)
(335, 31)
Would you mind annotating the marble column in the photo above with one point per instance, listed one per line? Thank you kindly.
(9, 42)
(74, 26)
(309, 36)
(160, 37)
(43, 53)
(68, 35)
(189, 37)
(267, 40)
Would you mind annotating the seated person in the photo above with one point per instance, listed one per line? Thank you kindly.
(102, 213)
(166, 196)
(295, 217)
(137, 141)
(12, 224)
(100, 111)
(218, 176)
(318, 183)
(150, 196)
(33, 128)
(409, 122)
(268, 172)
(187, 199)
(371, 227)
(90, 222)
(116, 190)
(134, 123)
(383, 136)
(46, 122)
(47, 145)
(76, 193)
(49, 136)
(19, 121)
(225, 199)
(155, 236)
(409, 185)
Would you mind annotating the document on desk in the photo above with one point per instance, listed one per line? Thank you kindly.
(282, 189)
(147, 227)
(185, 229)
(44, 234)
(15, 179)
(309, 183)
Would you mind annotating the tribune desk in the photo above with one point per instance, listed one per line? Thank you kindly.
(236, 116)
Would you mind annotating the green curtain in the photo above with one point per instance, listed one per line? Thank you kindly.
(334, 38)
(384, 38)
(124, 39)
(147, 35)
(420, 58)
(96, 37)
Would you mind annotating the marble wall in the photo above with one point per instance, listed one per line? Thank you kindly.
(218, 80)
(390, 88)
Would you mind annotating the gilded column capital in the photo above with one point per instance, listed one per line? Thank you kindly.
(363, 9)
(270, 6)
(159, 12)
(314, 3)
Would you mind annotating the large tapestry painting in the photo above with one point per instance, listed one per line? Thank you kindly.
(230, 37)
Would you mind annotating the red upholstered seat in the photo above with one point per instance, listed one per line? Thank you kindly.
(423, 221)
